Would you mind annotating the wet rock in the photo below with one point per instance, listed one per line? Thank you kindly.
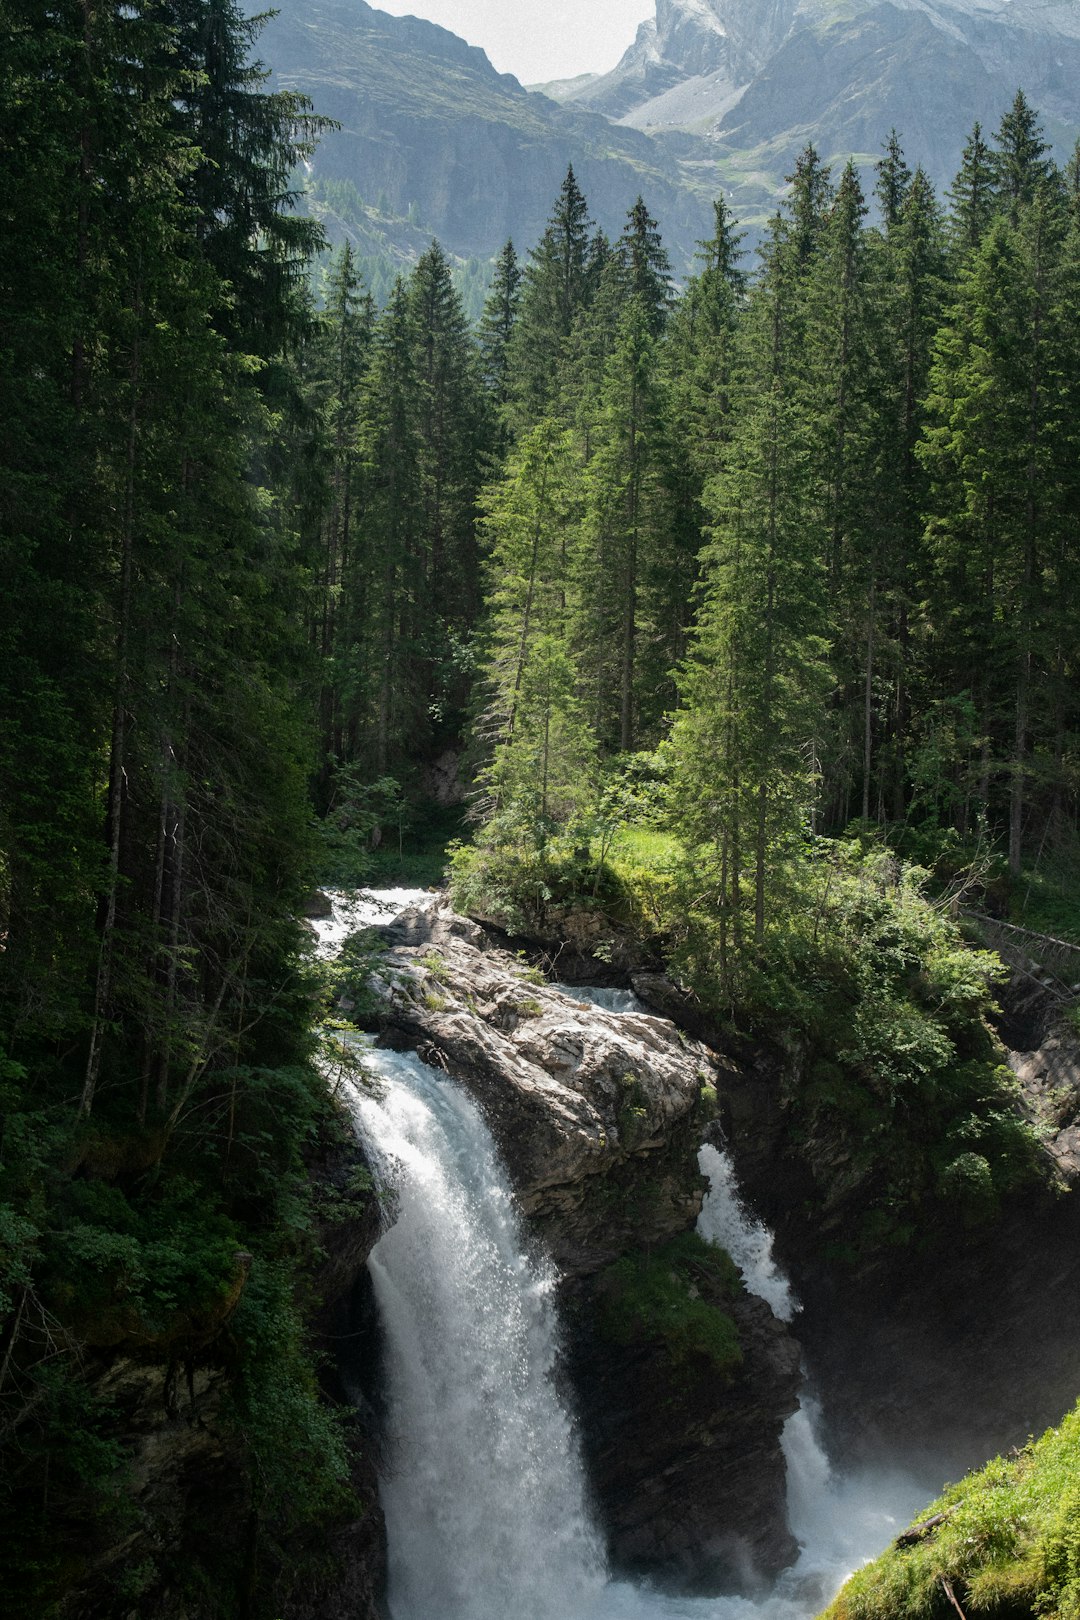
(685, 1463)
(599, 1117)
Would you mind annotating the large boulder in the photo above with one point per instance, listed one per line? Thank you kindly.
(598, 1115)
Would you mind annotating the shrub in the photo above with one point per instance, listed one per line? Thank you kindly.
(657, 1296)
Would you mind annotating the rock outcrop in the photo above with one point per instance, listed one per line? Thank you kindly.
(1038, 1025)
(760, 78)
(686, 1465)
(599, 1117)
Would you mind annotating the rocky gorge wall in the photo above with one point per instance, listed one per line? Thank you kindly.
(182, 1540)
(936, 1353)
(952, 1351)
(963, 1340)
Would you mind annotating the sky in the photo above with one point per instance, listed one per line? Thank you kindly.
(537, 40)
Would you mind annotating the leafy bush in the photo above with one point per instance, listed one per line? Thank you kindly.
(906, 1106)
(361, 814)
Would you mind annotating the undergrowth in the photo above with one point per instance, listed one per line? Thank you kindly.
(659, 1296)
(898, 1096)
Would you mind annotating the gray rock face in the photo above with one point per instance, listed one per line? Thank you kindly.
(437, 143)
(598, 1115)
(1047, 1066)
(687, 1467)
(727, 42)
(434, 142)
(760, 78)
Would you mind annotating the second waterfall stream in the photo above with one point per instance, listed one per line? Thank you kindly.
(485, 1496)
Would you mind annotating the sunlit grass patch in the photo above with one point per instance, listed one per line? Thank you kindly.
(1008, 1544)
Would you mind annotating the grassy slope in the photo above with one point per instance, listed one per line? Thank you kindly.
(1009, 1545)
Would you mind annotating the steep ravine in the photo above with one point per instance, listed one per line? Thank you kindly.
(961, 1342)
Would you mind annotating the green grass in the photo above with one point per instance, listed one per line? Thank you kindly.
(1009, 1545)
(643, 847)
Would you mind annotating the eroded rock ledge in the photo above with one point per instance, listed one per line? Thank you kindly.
(599, 1117)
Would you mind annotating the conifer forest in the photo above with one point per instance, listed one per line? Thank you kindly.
(747, 610)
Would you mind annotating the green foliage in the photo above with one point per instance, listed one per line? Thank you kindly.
(296, 1453)
(362, 814)
(656, 1296)
(157, 1086)
(907, 1103)
(142, 1275)
(345, 980)
(1008, 1544)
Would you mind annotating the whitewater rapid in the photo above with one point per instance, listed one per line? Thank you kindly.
(485, 1496)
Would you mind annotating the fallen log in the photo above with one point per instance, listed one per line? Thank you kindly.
(920, 1532)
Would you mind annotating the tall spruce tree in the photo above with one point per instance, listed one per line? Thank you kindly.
(698, 362)
(972, 195)
(558, 282)
(626, 559)
(744, 738)
(497, 324)
(153, 759)
(893, 182)
(909, 288)
(997, 452)
(532, 525)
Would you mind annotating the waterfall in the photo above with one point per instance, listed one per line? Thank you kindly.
(485, 1498)
(839, 1520)
(724, 1220)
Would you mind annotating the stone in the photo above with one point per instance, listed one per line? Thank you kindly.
(585, 1105)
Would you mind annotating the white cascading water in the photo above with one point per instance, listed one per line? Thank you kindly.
(485, 1499)
(840, 1521)
(616, 1001)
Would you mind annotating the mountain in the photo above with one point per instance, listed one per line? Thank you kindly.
(757, 79)
(712, 94)
(433, 141)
